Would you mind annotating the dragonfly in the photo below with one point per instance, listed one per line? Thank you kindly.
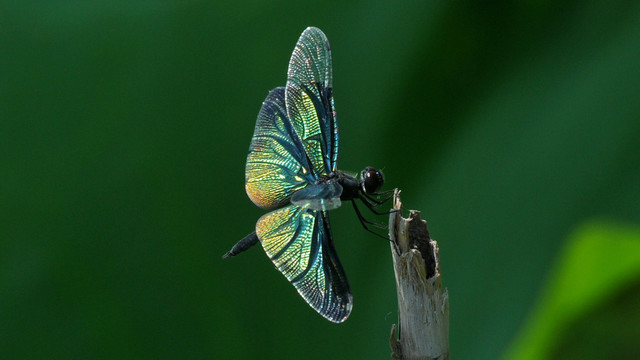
(292, 171)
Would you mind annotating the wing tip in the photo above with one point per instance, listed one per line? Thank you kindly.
(340, 315)
(314, 31)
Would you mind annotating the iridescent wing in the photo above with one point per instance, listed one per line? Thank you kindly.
(298, 241)
(277, 165)
(309, 100)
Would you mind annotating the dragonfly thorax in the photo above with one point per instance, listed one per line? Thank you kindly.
(369, 182)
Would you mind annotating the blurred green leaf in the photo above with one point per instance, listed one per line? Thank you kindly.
(596, 271)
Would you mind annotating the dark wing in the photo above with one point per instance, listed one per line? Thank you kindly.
(277, 165)
(298, 241)
(309, 100)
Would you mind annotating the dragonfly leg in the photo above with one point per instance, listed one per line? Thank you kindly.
(372, 204)
(364, 222)
(387, 196)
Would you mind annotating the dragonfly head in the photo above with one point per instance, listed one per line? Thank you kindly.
(372, 179)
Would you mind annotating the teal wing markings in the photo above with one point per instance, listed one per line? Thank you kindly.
(277, 165)
(309, 100)
(298, 242)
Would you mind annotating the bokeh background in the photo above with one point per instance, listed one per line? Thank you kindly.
(514, 126)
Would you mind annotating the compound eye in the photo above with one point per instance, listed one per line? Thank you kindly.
(372, 179)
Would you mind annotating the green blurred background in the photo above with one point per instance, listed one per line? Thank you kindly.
(125, 127)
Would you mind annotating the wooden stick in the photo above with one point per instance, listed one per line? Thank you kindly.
(423, 305)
